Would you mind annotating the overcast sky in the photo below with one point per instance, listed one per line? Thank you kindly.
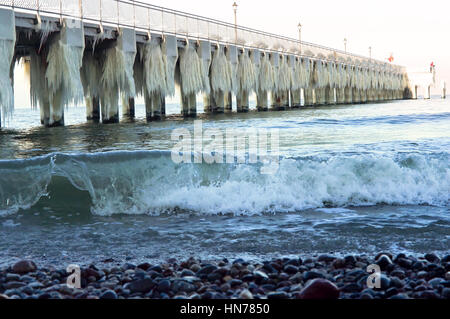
(415, 32)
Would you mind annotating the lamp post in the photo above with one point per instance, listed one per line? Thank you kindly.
(300, 36)
(235, 21)
(370, 53)
(345, 45)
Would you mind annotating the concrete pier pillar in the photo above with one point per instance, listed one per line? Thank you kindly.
(348, 95)
(428, 93)
(189, 105)
(153, 106)
(93, 109)
(128, 107)
(55, 73)
(340, 95)
(229, 102)
(232, 55)
(309, 97)
(356, 95)
(262, 101)
(118, 70)
(242, 101)
(296, 98)
(329, 96)
(7, 44)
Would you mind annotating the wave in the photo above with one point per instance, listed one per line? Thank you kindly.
(149, 182)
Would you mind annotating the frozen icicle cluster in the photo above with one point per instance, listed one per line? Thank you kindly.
(190, 71)
(246, 73)
(221, 73)
(266, 75)
(6, 86)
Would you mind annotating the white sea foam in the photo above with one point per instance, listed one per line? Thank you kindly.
(149, 183)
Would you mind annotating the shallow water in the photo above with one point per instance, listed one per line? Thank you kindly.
(352, 179)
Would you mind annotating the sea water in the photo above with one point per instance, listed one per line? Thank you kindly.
(351, 179)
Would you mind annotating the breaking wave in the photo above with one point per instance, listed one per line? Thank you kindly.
(149, 182)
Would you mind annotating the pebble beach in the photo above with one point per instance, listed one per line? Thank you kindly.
(322, 277)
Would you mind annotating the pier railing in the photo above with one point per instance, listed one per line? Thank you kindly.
(147, 17)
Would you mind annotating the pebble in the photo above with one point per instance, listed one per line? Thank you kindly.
(109, 294)
(320, 289)
(141, 286)
(245, 294)
(24, 267)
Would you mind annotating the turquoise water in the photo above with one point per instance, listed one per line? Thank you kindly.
(352, 178)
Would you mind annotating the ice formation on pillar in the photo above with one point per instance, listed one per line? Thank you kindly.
(117, 78)
(170, 57)
(266, 80)
(205, 66)
(233, 69)
(284, 76)
(91, 74)
(190, 71)
(306, 73)
(221, 72)
(246, 74)
(138, 70)
(296, 80)
(6, 85)
(154, 80)
(63, 75)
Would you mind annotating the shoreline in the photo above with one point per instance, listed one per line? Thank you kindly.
(323, 277)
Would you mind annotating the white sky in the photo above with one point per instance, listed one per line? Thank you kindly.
(416, 32)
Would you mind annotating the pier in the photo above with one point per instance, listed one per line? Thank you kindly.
(105, 53)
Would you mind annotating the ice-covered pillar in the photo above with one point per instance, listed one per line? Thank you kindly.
(7, 44)
(191, 78)
(55, 73)
(340, 89)
(204, 52)
(93, 109)
(444, 91)
(246, 80)
(276, 100)
(296, 91)
(233, 58)
(128, 107)
(118, 75)
(91, 73)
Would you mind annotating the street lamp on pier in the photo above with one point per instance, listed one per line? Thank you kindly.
(235, 6)
(345, 45)
(300, 36)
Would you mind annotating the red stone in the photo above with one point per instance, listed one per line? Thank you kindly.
(24, 267)
(319, 289)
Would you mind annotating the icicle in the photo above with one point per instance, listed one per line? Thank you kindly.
(266, 75)
(64, 62)
(221, 73)
(204, 52)
(284, 76)
(247, 77)
(118, 77)
(154, 69)
(232, 57)
(170, 56)
(191, 71)
(7, 44)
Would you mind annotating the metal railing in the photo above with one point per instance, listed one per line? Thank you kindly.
(147, 17)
